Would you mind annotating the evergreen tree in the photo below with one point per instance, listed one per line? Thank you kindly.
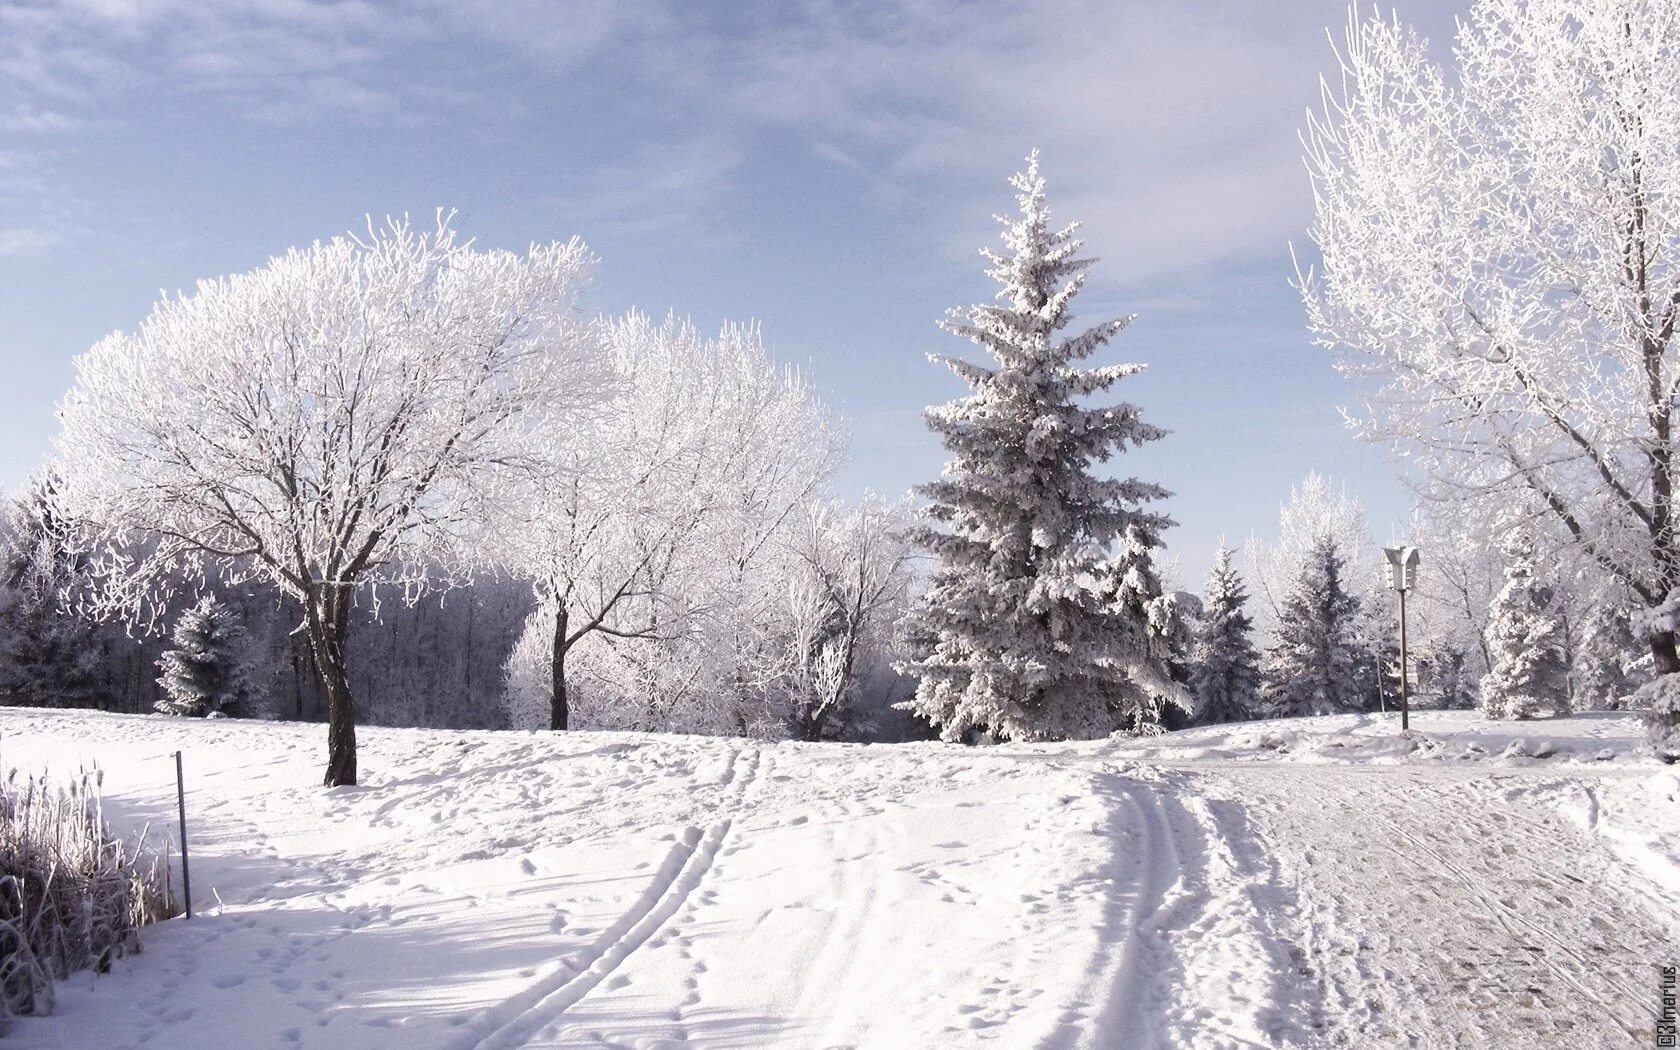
(208, 671)
(1527, 674)
(49, 656)
(1314, 667)
(1609, 663)
(1376, 655)
(1454, 686)
(1027, 631)
(1158, 623)
(1225, 668)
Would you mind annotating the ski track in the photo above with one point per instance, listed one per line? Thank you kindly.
(536, 1011)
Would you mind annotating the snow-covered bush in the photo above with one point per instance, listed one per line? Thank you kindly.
(72, 895)
(1527, 673)
(209, 670)
(1661, 697)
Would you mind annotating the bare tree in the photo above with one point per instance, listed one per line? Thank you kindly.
(338, 418)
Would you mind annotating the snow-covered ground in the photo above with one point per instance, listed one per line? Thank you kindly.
(1312, 882)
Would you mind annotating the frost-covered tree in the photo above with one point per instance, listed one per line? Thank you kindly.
(337, 419)
(209, 671)
(1376, 647)
(1527, 674)
(1225, 667)
(700, 467)
(849, 584)
(1312, 669)
(1015, 635)
(1500, 250)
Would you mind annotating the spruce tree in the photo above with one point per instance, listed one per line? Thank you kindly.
(1454, 686)
(1609, 662)
(49, 655)
(1527, 674)
(1314, 667)
(1225, 668)
(1028, 631)
(208, 671)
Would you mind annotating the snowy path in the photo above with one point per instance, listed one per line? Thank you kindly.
(1458, 910)
(616, 890)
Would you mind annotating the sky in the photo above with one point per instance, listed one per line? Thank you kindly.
(829, 169)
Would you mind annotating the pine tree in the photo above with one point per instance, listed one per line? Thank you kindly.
(1027, 631)
(1454, 687)
(1527, 673)
(49, 656)
(208, 671)
(1609, 662)
(1313, 668)
(1225, 668)
(1376, 660)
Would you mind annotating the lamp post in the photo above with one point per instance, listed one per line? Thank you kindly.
(1402, 574)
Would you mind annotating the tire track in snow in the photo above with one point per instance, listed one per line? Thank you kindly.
(515, 1021)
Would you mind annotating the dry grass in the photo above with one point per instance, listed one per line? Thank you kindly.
(73, 895)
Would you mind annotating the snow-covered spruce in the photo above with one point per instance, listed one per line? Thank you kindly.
(1610, 665)
(1661, 696)
(209, 670)
(1313, 667)
(48, 656)
(1527, 674)
(1027, 631)
(1224, 667)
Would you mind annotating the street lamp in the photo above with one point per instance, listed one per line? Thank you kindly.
(1402, 575)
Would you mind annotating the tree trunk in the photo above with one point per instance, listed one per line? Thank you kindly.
(559, 710)
(328, 627)
(1664, 653)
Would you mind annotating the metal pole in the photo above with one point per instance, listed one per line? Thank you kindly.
(181, 805)
(1405, 706)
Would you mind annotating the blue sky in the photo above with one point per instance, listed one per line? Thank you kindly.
(828, 168)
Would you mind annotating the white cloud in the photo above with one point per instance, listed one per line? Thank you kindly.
(29, 240)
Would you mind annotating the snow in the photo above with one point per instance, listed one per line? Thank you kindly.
(1299, 882)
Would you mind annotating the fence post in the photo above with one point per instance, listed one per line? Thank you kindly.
(181, 805)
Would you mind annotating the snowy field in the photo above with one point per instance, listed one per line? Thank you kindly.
(1314, 882)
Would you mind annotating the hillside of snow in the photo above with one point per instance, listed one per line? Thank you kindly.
(1316, 882)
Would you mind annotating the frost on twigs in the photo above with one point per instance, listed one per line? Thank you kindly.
(344, 417)
(1499, 257)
